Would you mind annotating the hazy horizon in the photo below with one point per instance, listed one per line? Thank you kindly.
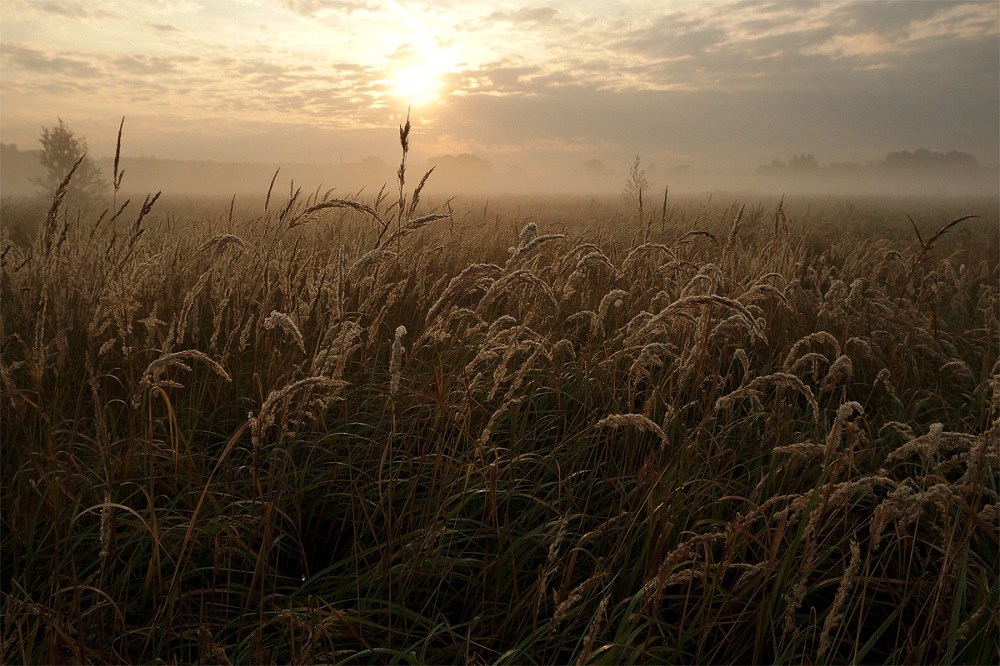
(721, 87)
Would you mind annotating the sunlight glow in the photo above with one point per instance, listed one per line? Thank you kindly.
(418, 77)
(421, 79)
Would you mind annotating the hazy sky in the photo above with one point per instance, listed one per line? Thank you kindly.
(713, 84)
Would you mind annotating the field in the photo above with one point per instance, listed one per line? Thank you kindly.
(373, 429)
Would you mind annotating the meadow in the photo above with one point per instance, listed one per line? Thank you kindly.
(375, 429)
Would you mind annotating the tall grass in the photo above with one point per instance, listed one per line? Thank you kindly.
(342, 431)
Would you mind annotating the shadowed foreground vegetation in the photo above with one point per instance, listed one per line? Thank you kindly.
(352, 432)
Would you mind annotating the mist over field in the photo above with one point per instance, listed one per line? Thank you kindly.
(912, 173)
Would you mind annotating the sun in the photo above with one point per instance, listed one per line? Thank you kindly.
(421, 78)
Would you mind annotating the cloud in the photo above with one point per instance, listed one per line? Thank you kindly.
(164, 27)
(526, 15)
(38, 61)
(71, 9)
(311, 8)
(138, 64)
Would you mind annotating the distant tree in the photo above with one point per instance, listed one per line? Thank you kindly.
(803, 161)
(462, 169)
(594, 167)
(61, 148)
(931, 160)
(636, 182)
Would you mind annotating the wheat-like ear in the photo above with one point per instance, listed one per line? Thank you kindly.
(416, 193)
(266, 416)
(735, 229)
(151, 377)
(835, 615)
(285, 323)
(310, 212)
(844, 412)
(116, 177)
(473, 277)
(48, 230)
(396, 361)
(633, 420)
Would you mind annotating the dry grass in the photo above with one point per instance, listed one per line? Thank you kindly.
(351, 431)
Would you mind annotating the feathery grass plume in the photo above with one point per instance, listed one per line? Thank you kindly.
(47, 232)
(415, 199)
(727, 328)
(699, 232)
(248, 328)
(474, 277)
(563, 347)
(804, 449)
(819, 336)
(575, 595)
(285, 323)
(339, 342)
(904, 430)
(750, 393)
(635, 252)
(600, 616)
(760, 291)
(835, 614)
(734, 230)
(840, 371)
(614, 296)
(487, 432)
(741, 355)
(650, 357)
(838, 496)
(929, 445)
(844, 412)
(220, 242)
(586, 317)
(309, 213)
(958, 368)
(692, 302)
(501, 323)
(500, 372)
(220, 311)
(778, 379)
(592, 259)
(107, 530)
(925, 247)
(267, 199)
(116, 175)
(551, 561)
(412, 226)
(905, 505)
(396, 361)
(634, 420)
(526, 249)
(151, 378)
(652, 590)
(527, 366)
(504, 283)
(404, 142)
(179, 325)
(528, 234)
(278, 398)
(637, 323)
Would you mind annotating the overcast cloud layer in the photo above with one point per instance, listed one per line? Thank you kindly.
(717, 85)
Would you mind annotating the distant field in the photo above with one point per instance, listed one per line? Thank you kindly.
(530, 431)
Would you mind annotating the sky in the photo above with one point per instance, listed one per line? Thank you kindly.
(715, 85)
